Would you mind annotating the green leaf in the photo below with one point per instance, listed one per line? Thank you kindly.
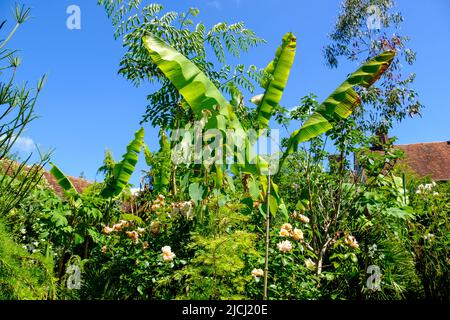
(302, 204)
(131, 217)
(200, 93)
(399, 213)
(248, 202)
(78, 239)
(124, 169)
(341, 103)
(62, 180)
(59, 219)
(279, 70)
(253, 187)
(230, 183)
(195, 87)
(149, 158)
(262, 210)
(185, 182)
(284, 210)
(162, 174)
(273, 204)
(196, 192)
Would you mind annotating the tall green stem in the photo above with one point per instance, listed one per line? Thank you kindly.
(10, 35)
(266, 260)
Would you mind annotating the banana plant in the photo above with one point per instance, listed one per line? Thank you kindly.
(201, 94)
(204, 97)
(278, 71)
(124, 169)
(62, 180)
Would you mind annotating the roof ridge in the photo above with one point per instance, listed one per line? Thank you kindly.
(415, 143)
(80, 178)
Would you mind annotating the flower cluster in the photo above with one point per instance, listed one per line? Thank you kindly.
(185, 208)
(155, 227)
(300, 217)
(372, 249)
(132, 234)
(428, 236)
(285, 246)
(116, 227)
(427, 189)
(286, 231)
(167, 253)
(350, 241)
(158, 203)
(257, 273)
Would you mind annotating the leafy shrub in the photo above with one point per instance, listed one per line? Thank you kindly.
(23, 275)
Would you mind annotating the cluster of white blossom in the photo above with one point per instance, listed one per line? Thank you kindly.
(427, 189)
(285, 246)
(428, 236)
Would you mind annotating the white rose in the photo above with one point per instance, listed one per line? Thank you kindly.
(285, 246)
(303, 218)
(298, 234)
(256, 273)
(168, 256)
(166, 250)
(287, 226)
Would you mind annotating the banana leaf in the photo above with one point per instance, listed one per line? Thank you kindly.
(341, 103)
(61, 179)
(124, 169)
(195, 87)
(162, 177)
(279, 70)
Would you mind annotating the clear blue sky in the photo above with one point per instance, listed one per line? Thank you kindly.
(86, 107)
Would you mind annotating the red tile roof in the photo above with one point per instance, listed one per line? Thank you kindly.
(428, 159)
(79, 183)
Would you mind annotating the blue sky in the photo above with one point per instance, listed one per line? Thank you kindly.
(86, 107)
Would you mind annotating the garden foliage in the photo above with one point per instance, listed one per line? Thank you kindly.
(322, 226)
